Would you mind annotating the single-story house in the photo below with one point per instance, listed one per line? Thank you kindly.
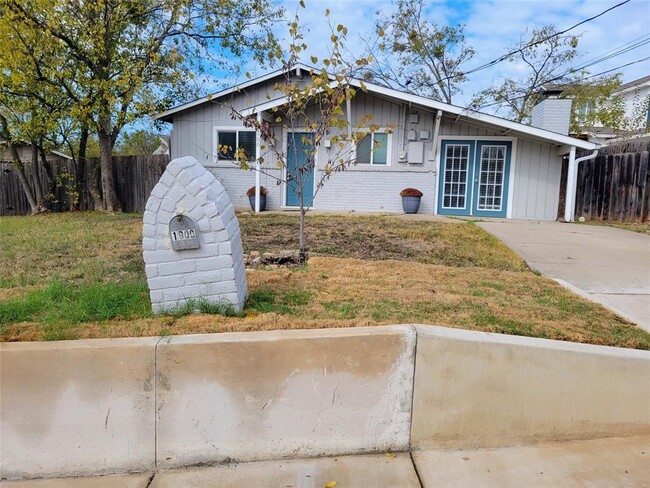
(466, 163)
(25, 153)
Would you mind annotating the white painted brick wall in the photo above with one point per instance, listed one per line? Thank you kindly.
(215, 272)
(362, 191)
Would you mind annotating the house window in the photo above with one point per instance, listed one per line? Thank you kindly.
(585, 110)
(373, 149)
(228, 141)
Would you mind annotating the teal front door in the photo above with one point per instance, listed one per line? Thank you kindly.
(300, 169)
(473, 178)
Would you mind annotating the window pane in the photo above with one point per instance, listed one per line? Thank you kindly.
(380, 153)
(247, 143)
(363, 150)
(226, 145)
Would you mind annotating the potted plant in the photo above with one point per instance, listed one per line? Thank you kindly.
(251, 197)
(410, 200)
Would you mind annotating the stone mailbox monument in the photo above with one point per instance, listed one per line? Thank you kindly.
(191, 240)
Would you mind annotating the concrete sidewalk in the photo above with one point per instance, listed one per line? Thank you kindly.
(603, 264)
(620, 462)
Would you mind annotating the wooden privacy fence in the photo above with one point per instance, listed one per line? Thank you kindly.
(135, 177)
(613, 186)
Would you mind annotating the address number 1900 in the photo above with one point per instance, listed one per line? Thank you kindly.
(182, 235)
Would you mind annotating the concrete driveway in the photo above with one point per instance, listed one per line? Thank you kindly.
(603, 264)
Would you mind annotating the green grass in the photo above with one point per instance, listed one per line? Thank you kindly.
(76, 303)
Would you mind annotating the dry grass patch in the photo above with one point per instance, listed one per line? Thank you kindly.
(380, 238)
(640, 227)
(339, 292)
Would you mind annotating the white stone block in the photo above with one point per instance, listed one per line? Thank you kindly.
(177, 267)
(225, 248)
(219, 262)
(222, 288)
(161, 256)
(151, 270)
(168, 205)
(188, 188)
(163, 282)
(149, 244)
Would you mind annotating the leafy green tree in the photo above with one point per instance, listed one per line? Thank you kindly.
(140, 142)
(118, 60)
(542, 57)
(594, 104)
(414, 55)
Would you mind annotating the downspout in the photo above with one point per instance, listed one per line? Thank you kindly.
(258, 155)
(572, 176)
(436, 134)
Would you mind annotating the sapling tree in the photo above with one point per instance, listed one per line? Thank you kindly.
(312, 109)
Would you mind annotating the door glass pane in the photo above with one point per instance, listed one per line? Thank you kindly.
(456, 167)
(491, 177)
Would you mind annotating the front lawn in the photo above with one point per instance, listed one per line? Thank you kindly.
(68, 276)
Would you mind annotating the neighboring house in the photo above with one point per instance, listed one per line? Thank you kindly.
(632, 99)
(466, 163)
(25, 153)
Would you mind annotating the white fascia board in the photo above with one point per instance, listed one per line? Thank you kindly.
(489, 119)
(228, 91)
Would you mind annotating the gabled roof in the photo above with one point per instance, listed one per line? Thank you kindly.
(632, 84)
(167, 115)
(505, 124)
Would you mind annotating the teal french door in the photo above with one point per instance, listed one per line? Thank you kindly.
(300, 169)
(473, 178)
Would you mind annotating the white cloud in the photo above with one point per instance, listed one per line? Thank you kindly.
(492, 26)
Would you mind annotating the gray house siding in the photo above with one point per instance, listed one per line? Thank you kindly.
(536, 169)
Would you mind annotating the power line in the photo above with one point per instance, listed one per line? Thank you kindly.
(531, 44)
(574, 82)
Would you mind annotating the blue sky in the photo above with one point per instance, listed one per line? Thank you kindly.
(490, 27)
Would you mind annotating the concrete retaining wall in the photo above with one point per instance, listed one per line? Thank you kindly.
(108, 406)
(77, 407)
(475, 389)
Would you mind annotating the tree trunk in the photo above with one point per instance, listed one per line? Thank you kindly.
(49, 197)
(36, 176)
(301, 244)
(29, 193)
(80, 172)
(111, 203)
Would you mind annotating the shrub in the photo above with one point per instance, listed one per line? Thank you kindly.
(251, 191)
(410, 192)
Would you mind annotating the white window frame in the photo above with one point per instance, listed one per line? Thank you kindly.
(389, 146)
(216, 154)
